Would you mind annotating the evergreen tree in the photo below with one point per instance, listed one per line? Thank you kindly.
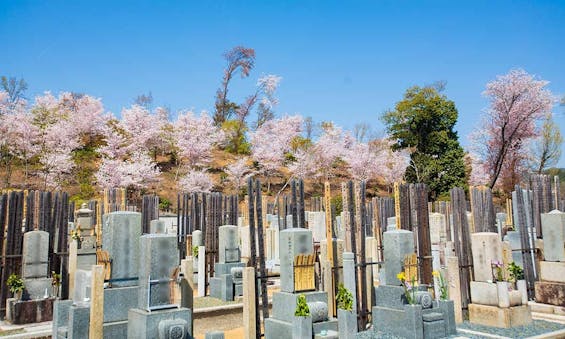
(422, 122)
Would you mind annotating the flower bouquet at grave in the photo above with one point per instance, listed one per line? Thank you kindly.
(442, 285)
(409, 287)
(497, 271)
(55, 282)
(16, 285)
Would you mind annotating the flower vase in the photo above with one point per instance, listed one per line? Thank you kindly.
(503, 296)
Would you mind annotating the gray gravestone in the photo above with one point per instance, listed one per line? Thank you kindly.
(158, 259)
(349, 276)
(553, 229)
(35, 254)
(228, 244)
(397, 244)
(157, 227)
(120, 237)
(514, 238)
(293, 241)
(197, 238)
(83, 283)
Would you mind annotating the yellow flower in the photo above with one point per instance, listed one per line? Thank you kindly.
(400, 276)
(435, 274)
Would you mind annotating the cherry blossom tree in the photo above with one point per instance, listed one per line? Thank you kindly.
(271, 141)
(517, 101)
(142, 127)
(196, 136)
(138, 171)
(305, 165)
(196, 181)
(362, 161)
(238, 172)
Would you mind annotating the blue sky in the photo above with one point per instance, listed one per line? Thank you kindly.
(347, 62)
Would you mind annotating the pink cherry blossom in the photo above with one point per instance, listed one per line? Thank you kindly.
(196, 181)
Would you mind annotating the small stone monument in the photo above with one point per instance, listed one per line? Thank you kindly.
(86, 253)
(297, 277)
(550, 289)
(37, 303)
(228, 271)
(493, 300)
(424, 318)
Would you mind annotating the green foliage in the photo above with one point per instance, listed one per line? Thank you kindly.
(236, 142)
(516, 272)
(302, 309)
(15, 283)
(337, 201)
(344, 298)
(164, 203)
(195, 251)
(423, 122)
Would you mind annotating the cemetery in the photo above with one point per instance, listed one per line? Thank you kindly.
(393, 268)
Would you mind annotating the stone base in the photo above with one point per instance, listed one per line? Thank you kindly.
(225, 268)
(86, 258)
(118, 301)
(30, 311)
(403, 323)
(35, 288)
(222, 287)
(159, 324)
(546, 308)
(499, 317)
(284, 303)
(275, 329)
(552, 271)
(552, 293)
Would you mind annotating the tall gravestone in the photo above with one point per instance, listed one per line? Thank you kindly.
(35, 256)
(120, 237)
(297, 242)
(550, 289)
(156, 316)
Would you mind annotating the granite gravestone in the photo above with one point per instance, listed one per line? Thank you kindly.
(34, 264)
(397, 244)
(157, 262)
(120, 237)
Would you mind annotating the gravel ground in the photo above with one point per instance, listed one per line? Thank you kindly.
(536, 328)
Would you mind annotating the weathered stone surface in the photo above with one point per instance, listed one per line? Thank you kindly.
(541, 308)
(120, 237)
(214, 335)
(197, 239)
(228, 244)
(30, 311)
(406, 322)
(293, 241)
(37, 288)
(397, 244)
(60, 315)
(486, 248)
(500, 317)
(157, 227)
(35, 254)
(146, 325)
(553, 228)
(83, 282)
(117, 302)
(437, 228)
(158, 260)
(302, 327)
(79, 320)
(318, 311)
(446, 307)
(550, 293)
(552, 271)
(317, 224)
(513, 237)
(347, 324)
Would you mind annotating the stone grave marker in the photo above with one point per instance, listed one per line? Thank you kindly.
(487, 249)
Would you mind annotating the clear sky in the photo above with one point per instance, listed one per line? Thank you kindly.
(344, 61)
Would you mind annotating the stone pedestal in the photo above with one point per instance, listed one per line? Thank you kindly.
(500, 317)
(171, 323)
(30, 311)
